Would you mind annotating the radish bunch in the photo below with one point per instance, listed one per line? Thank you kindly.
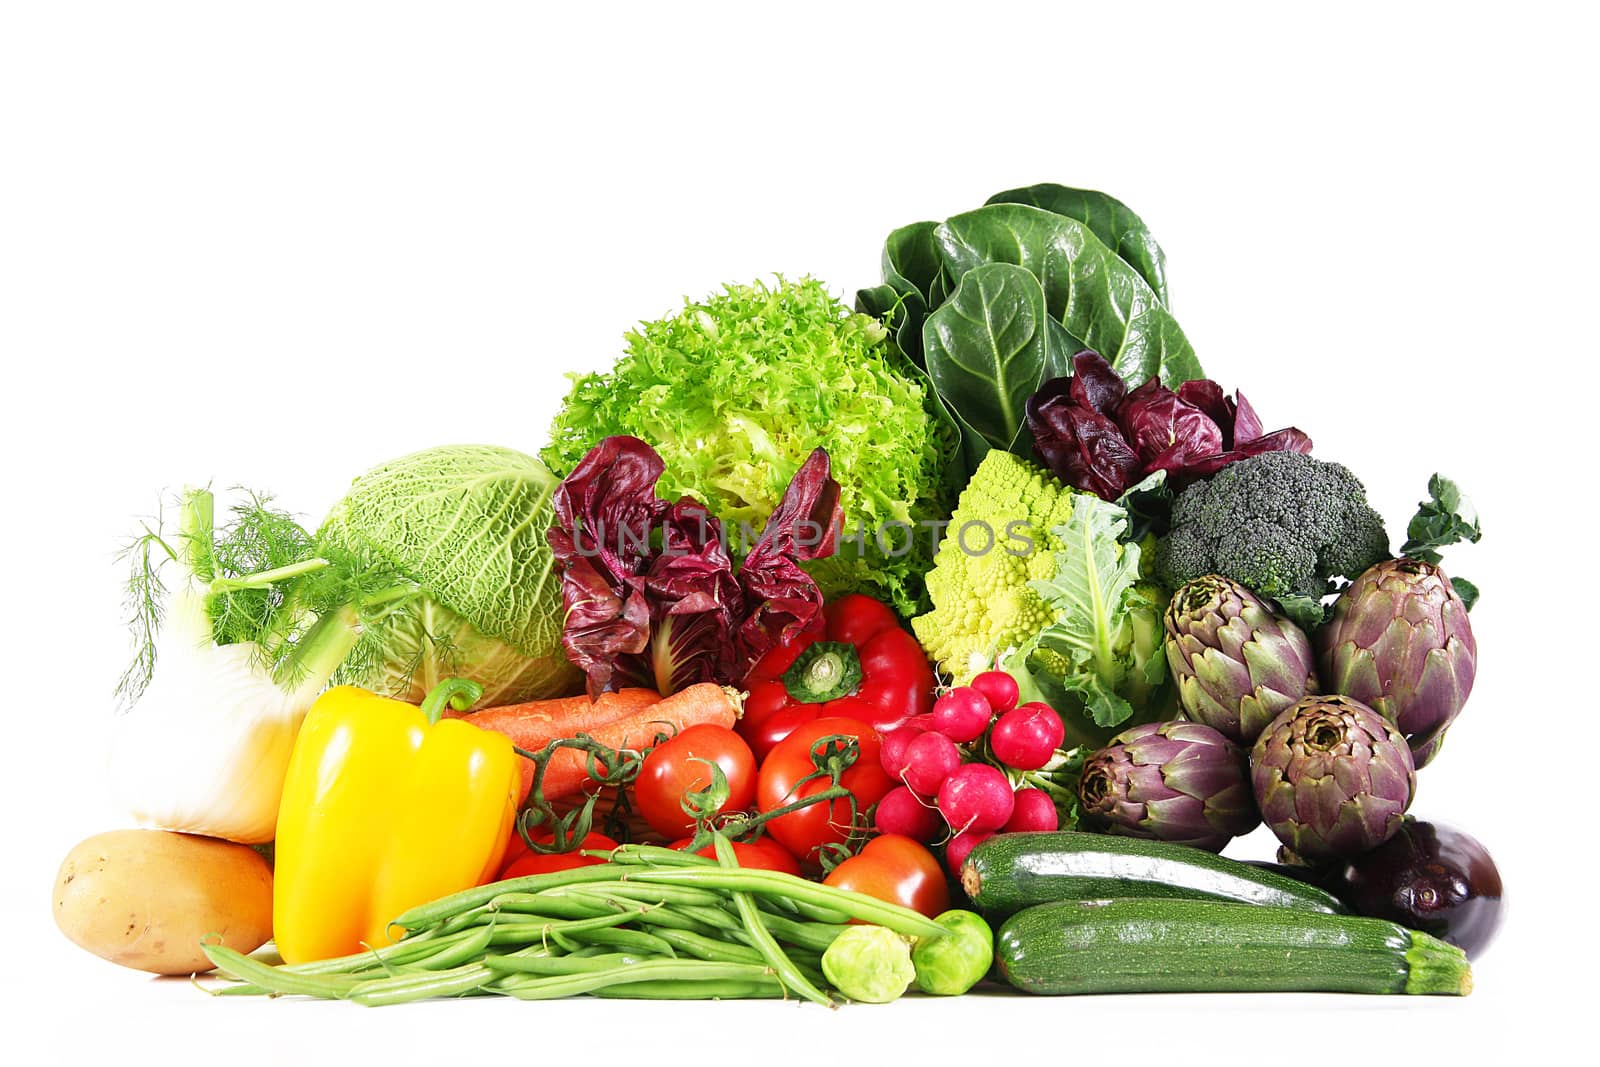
(953, 787)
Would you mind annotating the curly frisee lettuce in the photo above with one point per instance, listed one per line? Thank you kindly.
(734, 392)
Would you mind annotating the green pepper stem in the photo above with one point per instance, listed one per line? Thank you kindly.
(459, 693)
(826, 670)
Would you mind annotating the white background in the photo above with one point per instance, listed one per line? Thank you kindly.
(272, 245)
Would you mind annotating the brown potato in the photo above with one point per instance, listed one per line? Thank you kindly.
(145, 898)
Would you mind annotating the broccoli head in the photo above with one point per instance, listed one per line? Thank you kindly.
(1282, 523)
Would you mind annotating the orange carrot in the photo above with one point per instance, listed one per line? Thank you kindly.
(567, 772)
(535, 724)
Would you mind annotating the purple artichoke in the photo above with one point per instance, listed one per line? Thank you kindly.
(1332, 777)
(1173, 781)
(1399, 641)
(1237, 664)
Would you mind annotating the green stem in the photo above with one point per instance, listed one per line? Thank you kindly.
(318, 654)
(262, 579)
(197, 532)
(459, 693)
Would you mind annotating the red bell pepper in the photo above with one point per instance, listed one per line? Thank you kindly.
(859, 664)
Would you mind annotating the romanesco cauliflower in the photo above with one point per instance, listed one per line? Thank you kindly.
(998, 540)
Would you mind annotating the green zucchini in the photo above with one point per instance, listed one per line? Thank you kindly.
(1013, 871)
(1205, 946)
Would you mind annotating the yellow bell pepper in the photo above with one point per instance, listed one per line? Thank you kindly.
(385, 807)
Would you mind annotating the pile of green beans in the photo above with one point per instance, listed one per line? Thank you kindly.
(649, 923)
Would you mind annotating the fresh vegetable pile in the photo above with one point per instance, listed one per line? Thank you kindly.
(814, 642)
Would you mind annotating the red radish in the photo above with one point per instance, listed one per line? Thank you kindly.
(901, 812)
(1034, 810)
(929, 760)
(961, 844)
(999, 689)
(892, 753)
(976, 797)
(1026, 737)
(962, 714)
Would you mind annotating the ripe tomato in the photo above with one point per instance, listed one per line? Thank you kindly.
(673, 770)
(805, 831)
(895, 868)
(762, 854)
(520, 860)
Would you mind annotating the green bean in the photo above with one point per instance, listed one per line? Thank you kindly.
(410, 987)
(699, 989)
(276, 980)
(817, 936)
(457, 923)
(707, 948)
(809, 911)
(718, 918)
(569, 907)
(656, 855)
(636, 974)
(552, 902)
(507, 933)
(436, 911)
(468, 948)
(411, 948)
(546, 966)
(636, 941)
(645, 894)
(764, 943)
(588, 951)
(777, 884)
(238, 989)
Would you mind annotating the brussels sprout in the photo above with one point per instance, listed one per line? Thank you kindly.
(869, 964)
(952, 964)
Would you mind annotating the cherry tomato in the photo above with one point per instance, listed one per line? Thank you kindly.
(520, 860)
(762, 854)
(805, 831)
(672, 770)
(897, 869)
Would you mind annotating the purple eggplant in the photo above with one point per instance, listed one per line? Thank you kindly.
(1428, 876)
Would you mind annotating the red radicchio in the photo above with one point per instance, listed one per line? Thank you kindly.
(650, 593)
(1095, 435)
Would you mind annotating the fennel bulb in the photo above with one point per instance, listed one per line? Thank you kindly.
(205, 747)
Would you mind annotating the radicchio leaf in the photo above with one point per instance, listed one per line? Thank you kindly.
(1095, 436)
(1095, 384)
(695, 598)
(649, 589)
(805, 525)
(1082, 447)
(1167, 433)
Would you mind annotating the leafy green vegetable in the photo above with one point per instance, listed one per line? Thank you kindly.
(966, 322)
(472, 591)
(1102, 302)
(1110, 219)
(735, 392)
(1102, 651)
(992, 345)
(1446, 518)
